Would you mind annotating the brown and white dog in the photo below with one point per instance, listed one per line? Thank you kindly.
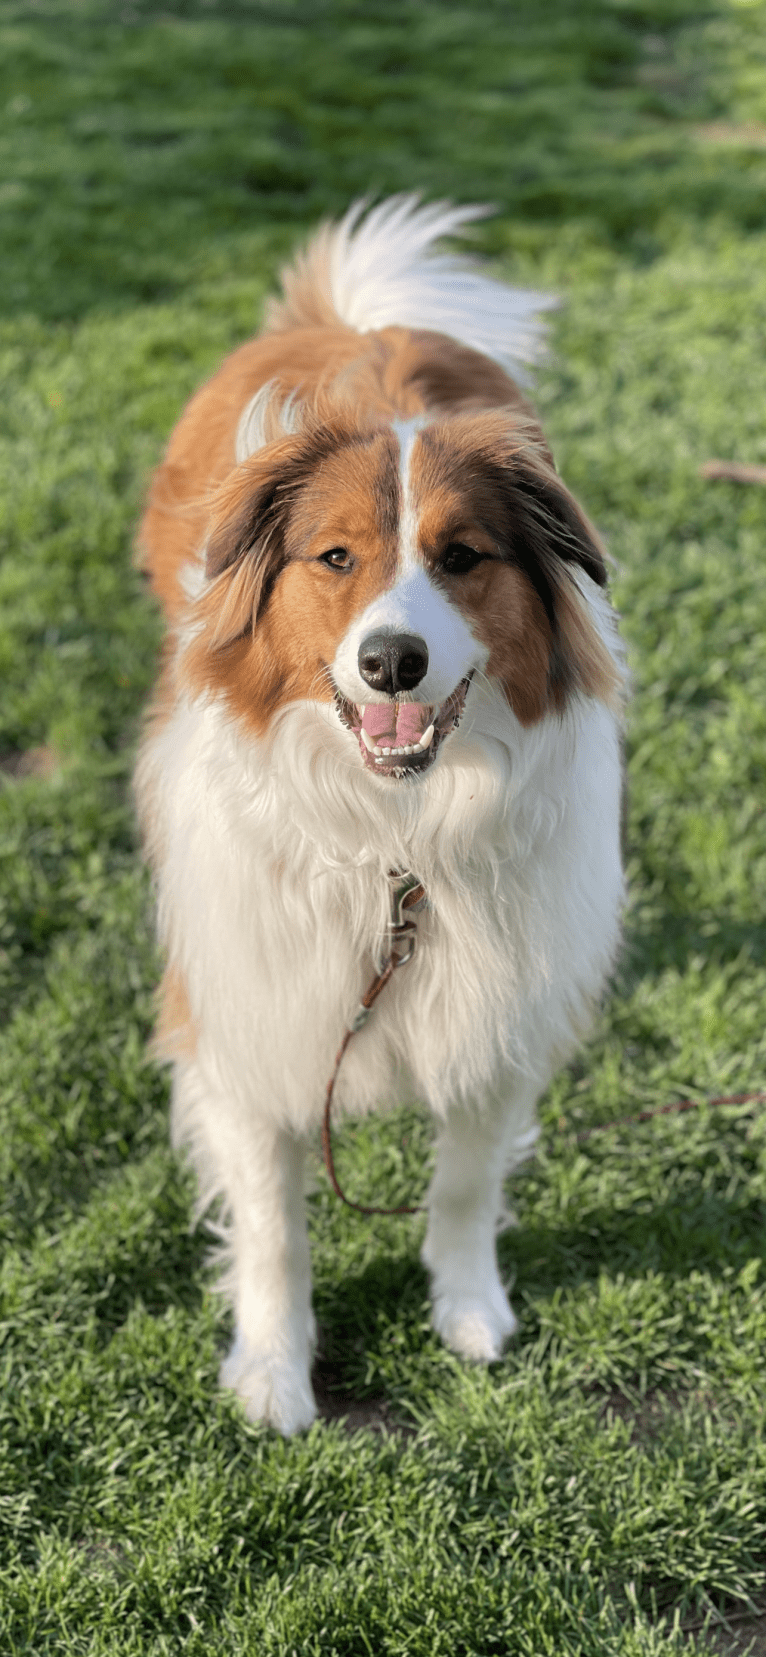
(389, 648)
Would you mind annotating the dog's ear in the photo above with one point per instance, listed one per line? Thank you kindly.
(248, 514)
(548, 522)
(245, 545)
(245, 549)
(551, 538)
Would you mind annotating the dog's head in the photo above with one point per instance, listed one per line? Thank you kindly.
(380, 565)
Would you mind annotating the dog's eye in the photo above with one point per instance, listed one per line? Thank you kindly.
(337, 559)
(458, 559)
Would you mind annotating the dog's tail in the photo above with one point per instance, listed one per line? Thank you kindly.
(377, 268)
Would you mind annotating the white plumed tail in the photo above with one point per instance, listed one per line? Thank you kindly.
(377, 268)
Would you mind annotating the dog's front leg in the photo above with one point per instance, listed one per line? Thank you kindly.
(475, 1150)
(269, 1363)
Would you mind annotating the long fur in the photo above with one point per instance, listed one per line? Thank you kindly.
(379, 268)
(272, 844)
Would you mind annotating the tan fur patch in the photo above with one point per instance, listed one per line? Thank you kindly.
(431, 371)
(347, 499)
(175, 1032)
(201, 451)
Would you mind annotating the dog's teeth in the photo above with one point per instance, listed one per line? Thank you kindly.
(381, 751)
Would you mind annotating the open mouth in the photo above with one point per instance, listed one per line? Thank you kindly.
(398, 739)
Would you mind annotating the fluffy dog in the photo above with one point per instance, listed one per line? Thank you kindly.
(389, 648)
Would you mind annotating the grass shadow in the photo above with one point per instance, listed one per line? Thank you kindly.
(712, 1234)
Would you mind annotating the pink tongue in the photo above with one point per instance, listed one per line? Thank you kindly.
(401, 722)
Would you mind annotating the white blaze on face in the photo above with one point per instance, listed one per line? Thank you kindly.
(415, 604)
(406, 432)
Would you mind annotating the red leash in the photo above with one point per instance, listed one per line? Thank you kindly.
(671, 1110)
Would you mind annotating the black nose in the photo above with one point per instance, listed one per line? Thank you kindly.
(393, 661)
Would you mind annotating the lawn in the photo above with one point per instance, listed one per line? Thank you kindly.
(603, 1489)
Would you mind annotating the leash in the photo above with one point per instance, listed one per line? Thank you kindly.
(401, 939)
(674, 1109)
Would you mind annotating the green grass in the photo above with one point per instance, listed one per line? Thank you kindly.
(605, 1484)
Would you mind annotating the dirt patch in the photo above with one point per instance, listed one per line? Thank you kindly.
(744, 1637)
(645, 1416)
(101, 1555)
(336, 1403)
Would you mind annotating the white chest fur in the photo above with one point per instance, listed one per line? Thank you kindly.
(273, 892)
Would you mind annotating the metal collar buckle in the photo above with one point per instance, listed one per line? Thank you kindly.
(402, 934)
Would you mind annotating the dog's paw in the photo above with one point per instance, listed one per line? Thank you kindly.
(272, 1390)
(474, 1325)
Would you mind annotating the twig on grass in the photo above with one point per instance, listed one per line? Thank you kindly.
(732, 471)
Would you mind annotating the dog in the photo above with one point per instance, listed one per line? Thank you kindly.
(389, 648)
